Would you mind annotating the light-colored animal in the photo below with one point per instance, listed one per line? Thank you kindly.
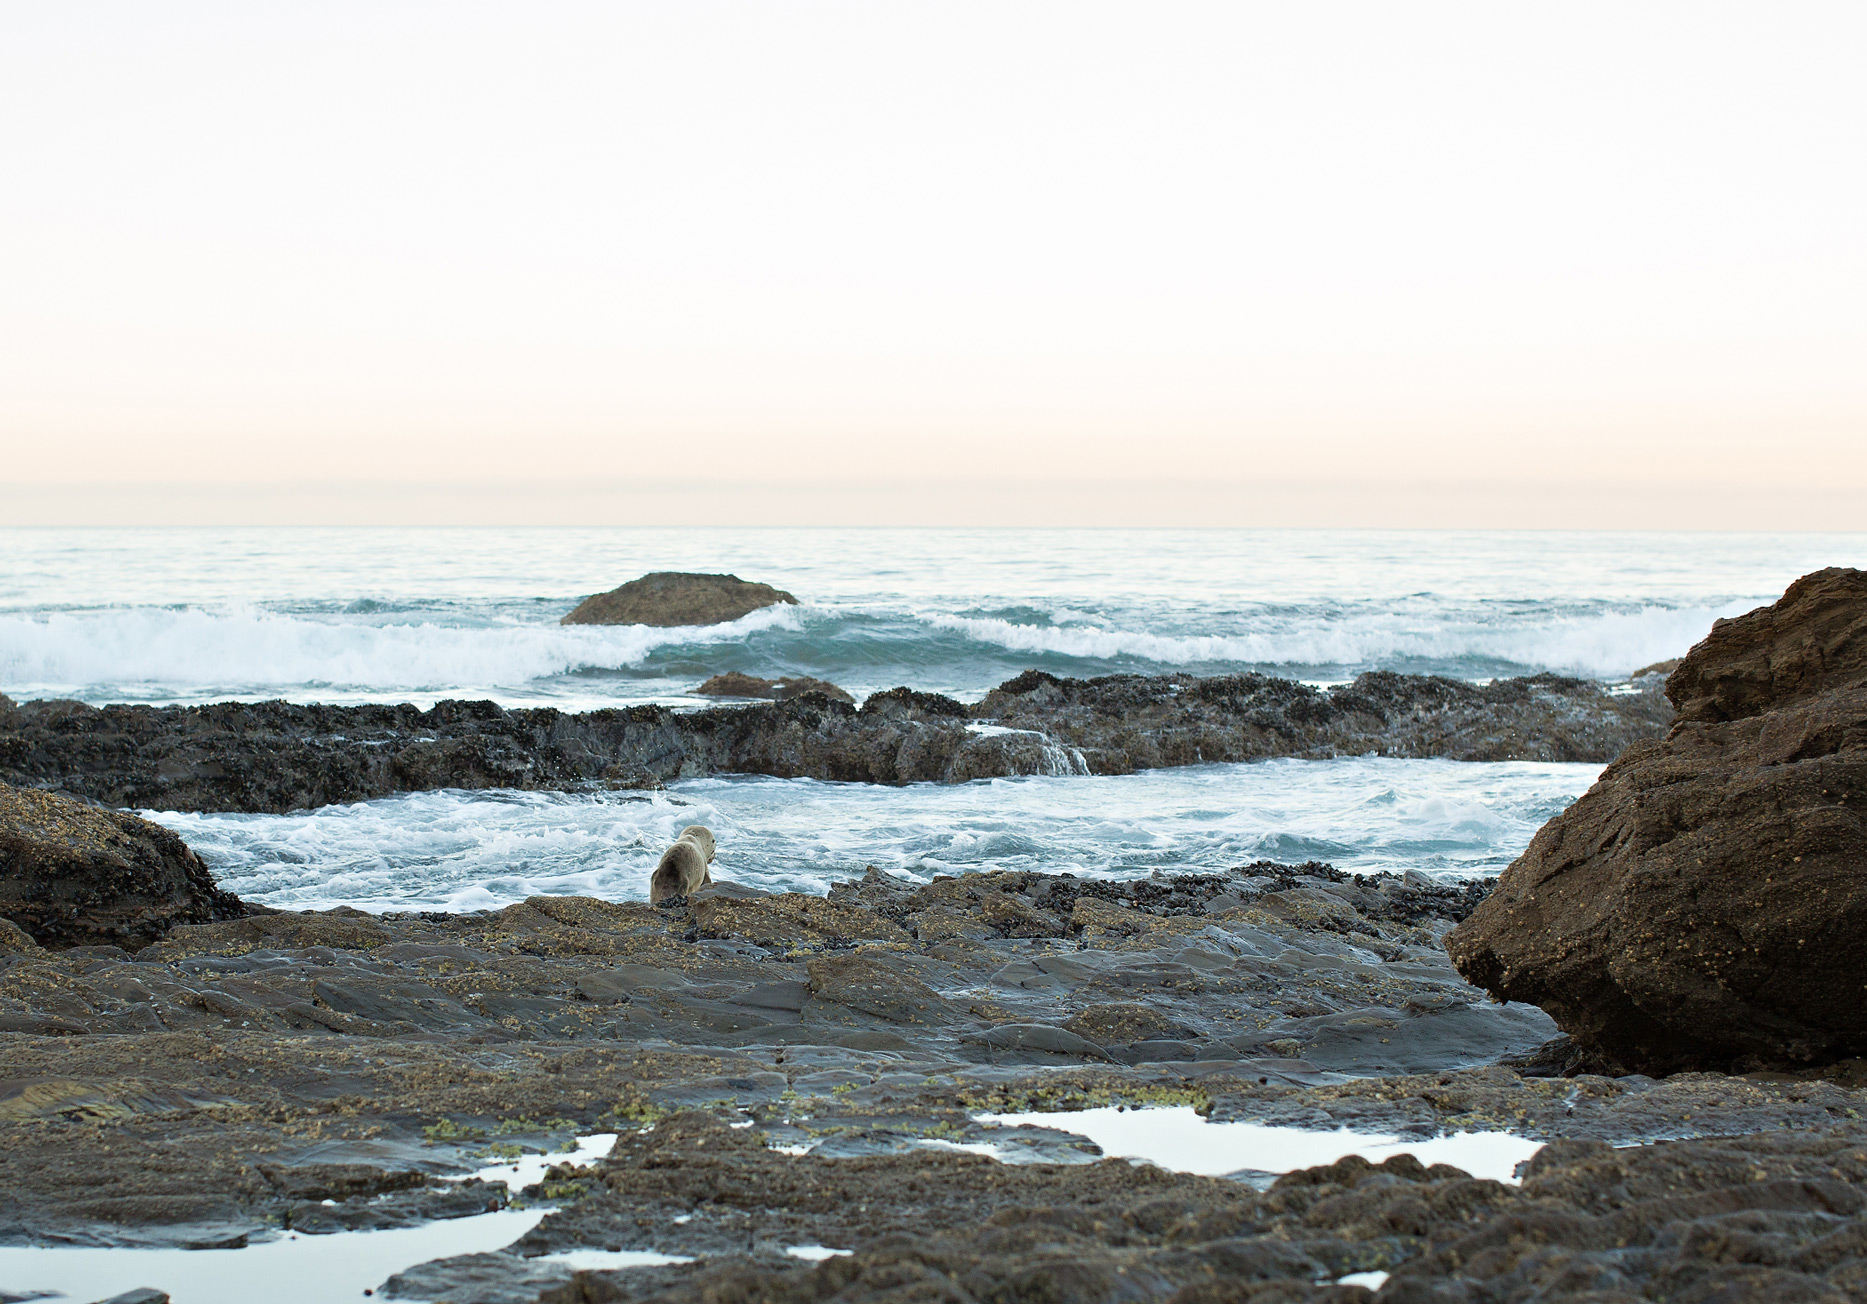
(683, 866)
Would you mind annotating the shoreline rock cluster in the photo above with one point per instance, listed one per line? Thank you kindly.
(276, 756)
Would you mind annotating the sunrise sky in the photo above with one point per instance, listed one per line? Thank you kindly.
(1154, 263)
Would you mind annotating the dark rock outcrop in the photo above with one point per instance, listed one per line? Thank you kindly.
(735, 684)
(77, 875)
(1705, 903)
(277, 756)
(676, 598)
(1122, 723)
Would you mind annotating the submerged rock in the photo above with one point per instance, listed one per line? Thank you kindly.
(1705, 903)
(735, 684)
(77, 875)
(668, 598)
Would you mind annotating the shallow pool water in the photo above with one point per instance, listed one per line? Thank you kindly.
(303, 1269)
(528, 1170)
(1182, 1140)
(292, 1270)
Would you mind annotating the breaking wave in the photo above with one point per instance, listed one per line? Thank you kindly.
(1602, 645)
(192, 649)
(478, 850)
(172, 654)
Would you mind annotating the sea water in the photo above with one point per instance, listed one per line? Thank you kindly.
(352, 615)
(392, 615)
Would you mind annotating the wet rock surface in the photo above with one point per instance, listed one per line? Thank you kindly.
(275, 756)
(735, 684)
(1704, 905)
(1131, 722)
(72, 874)
(328, 1071)
(1728, 1219)
(667, 598)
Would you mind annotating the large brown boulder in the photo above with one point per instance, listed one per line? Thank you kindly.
(667, 598)
(77, 875)
(1704, 905)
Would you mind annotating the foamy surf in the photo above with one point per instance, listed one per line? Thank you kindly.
(249, 650)
(386, 615)
(455, 850)
(1601, 645)
(162, 654)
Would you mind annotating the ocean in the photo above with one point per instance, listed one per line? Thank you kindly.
(389, 615)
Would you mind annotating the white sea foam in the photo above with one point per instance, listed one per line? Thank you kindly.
(248, 648)
(159, 653)
(346, 614)
(474, 850)
(1602, 644)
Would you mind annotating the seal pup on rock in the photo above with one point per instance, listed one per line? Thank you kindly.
(683, 866)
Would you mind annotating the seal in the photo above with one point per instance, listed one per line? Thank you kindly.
(683, 866)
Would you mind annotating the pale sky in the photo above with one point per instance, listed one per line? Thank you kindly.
(1255, 264)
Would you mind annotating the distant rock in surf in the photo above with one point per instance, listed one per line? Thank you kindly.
(670, 598)
(1705, 904)
(77, 875)
(734, 684)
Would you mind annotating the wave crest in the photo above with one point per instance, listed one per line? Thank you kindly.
(192, 648)
(158, 653)
(1602, 645)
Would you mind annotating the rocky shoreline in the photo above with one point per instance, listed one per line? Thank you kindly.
(273, 757)
(326, 1071)
(787, 1072)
